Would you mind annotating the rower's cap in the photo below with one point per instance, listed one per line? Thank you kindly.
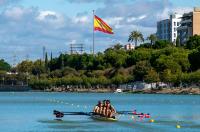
(99, 102)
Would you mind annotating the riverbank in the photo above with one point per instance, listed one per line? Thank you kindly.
(195, 91)
(80, 90)
(192, 91)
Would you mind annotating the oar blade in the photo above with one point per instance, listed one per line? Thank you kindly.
(58, 114)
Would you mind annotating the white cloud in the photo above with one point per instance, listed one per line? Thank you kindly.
(81, 19)
(132, 19)
(167, 11)
(113, 20)
(142, 17)
(55, 19)
(14, 13)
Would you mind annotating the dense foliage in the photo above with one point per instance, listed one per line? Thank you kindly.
(4, 66)
(154, 62)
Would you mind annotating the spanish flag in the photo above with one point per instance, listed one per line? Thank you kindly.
(100, 25)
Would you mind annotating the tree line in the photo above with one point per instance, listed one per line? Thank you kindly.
(154, 61)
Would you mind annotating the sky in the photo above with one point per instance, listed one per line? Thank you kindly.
(26, 26)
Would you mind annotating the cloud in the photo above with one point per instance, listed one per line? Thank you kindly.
(14, 13)
(24, 31)
(8, 2)
(81, 19)
(50, 17)
(167, 11)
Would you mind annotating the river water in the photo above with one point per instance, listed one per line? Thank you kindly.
(32, 112)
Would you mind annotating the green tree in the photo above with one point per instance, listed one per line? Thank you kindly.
(38, 68)
(141, 69)
(135, 36)
(160, 44)
(46, 62)
(152, 76)
(51, 57)
(152, 38)
(168, 77)
(193, 42)
(135, 56)
(194, 59)
(4, 65)
(117, 46)
(115, 58)
(25, 66)
(178, 41)
(167, 62)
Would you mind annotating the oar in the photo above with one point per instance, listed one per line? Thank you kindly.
(124, 112)
(134, 113)
(61, 114)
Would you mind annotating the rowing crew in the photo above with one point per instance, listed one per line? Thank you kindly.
(104, 109)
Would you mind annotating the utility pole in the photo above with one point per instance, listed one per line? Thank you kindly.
(93, 31)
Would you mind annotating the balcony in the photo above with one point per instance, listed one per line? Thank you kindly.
(186, 21)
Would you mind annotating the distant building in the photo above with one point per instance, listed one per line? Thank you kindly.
(167, 29)
(138, 85)
(163, 30)
(190, 25)
(175, 20)
(12, 73)
(129, 47)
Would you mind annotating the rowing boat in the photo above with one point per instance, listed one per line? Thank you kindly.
(102, 118)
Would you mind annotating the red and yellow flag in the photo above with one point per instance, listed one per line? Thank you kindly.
(100, 25)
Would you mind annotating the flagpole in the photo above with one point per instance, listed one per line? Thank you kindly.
(93, 32)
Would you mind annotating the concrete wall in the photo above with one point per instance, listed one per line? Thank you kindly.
(196, 22)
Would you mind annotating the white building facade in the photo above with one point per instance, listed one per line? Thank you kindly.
(167, 29)
(175, 20)
(129, 46)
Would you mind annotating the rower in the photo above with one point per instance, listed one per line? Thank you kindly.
(147, 115)
(134, 112)
(110, 110)
(98, 108)
(103, 112)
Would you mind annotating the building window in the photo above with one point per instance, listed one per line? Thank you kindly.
(178, 23)
(174, 29)
(174, 23)
(174, 34)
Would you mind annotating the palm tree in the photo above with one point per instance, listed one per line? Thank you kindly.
(152, 38)
(117, 46)
(135, 36)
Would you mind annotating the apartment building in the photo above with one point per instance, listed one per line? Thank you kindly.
(175, 20)
(163, 30)
(167, 29)
(190, 25)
